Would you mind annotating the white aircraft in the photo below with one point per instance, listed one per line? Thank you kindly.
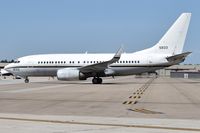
(167, 52)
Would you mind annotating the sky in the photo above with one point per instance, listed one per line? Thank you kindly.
(75, 26)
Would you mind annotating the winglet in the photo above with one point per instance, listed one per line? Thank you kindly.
(119, 52)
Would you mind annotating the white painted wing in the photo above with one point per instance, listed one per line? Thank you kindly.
(99, 67)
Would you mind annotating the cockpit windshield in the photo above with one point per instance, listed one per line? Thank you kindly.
(16, 61)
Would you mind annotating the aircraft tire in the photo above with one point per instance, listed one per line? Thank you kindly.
(26, 80)
(97, 80)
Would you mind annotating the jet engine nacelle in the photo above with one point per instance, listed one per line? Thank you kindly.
(70, 74)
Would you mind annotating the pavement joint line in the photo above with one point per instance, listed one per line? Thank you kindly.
(33, 89)
(103, 124)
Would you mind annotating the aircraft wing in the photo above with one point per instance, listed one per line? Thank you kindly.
(98, 67)
(178, 57)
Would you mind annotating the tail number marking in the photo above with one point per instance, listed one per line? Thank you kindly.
(163, 47)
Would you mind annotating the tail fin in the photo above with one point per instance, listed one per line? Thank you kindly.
(173, 40)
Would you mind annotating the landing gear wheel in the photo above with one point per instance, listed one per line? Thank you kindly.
(94, 80)
(97, 80)
(26, 80)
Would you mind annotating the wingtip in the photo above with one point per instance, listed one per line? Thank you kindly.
(187, 14)
(119, 52)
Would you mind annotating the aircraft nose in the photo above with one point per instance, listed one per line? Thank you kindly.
(7, 67)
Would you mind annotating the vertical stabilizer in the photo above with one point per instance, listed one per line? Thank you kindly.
(173, 40)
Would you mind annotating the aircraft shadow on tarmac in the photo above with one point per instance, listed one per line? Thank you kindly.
(87, 83)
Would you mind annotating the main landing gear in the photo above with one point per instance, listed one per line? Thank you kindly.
(26, 80)
(97, 80)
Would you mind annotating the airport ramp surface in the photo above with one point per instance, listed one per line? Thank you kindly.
(23, 123)
(124, 104)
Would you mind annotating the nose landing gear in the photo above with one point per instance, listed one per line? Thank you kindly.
(97, 80)
(26, 80)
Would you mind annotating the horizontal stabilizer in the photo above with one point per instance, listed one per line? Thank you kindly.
(178, 57)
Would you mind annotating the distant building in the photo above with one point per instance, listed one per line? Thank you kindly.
(181, 71)
(185, 74)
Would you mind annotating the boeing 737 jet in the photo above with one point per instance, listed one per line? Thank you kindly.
(167, 52)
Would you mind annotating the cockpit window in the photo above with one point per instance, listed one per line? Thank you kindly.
(16, 61)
